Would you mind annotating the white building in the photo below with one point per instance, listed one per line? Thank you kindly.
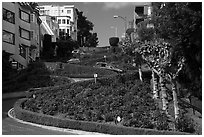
(66, 17)
(49, 26)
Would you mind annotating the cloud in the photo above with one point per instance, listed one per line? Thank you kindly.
(119, 5)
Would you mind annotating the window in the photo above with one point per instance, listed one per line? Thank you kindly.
(68, 31)
(139, 10)
(24, 16)
(32, 17)
(8, 37)
(63, 21)
(42, 12)
(68, 11)
(32, 34)
(22, 51)
(67, 21)
(8, 16)
(63, 30)
(59, 21)
(24, 33)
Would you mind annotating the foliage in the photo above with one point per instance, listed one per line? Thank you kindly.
(34, 76)
(72, 70)
(114, 41)
(7, 69)
(64, 48)
(84, 27)
(185, 124)
(181, 24)
(92, 40)
(146, 33)
(102, 102)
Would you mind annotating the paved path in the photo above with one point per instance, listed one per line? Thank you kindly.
(13, 126)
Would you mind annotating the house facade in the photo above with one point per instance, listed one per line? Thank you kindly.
(49, 26)
(66, 17)
(20, 35)
(142, 12)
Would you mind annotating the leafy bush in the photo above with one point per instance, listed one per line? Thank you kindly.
(72, 70)
(114, 41)
(35, 75)
(185, 124)
(122, 95)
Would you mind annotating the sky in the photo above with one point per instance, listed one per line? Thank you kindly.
(101, 15)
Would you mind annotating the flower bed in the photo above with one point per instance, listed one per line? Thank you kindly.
(84, 102)
(83, 125)
(123, 96)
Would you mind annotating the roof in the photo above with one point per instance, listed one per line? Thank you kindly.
(47, 28)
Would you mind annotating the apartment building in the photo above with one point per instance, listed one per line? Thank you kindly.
(20, 33)
(35, 34)
(49, 26)
(66, 17)
(142, 12)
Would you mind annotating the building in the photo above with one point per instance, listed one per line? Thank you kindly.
(66, 17)
(35, 34)
(142, 15)
(49, 26)
(142, 12)
(20, 33)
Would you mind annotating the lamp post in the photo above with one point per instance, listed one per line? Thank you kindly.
(116, 30)
(125, 21)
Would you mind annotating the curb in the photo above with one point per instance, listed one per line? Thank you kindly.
(78, 132)
(14, 95)
(87, 126)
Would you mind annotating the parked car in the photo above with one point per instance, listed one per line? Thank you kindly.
(76, 51)
(107, 66)
(73, 60)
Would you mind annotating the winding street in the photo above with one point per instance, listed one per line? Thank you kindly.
(12, 127)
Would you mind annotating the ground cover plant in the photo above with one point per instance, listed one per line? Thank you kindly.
(73, 70)
(122, 95)
(34, 76)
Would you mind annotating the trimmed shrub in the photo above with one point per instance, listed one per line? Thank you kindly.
(83, 125)
(72, 70)
(114, 41)
(185, 124)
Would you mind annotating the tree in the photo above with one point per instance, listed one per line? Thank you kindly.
(92, 40)
(157, 55)
(84, 27)
(131, 49)
(181, 25)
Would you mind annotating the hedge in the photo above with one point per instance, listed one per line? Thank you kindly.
(72, 70)
(103, 80)
(83, 125)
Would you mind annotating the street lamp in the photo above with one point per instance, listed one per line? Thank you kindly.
(125, 21)
(116, 30)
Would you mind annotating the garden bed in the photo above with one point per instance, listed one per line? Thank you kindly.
(101, 102)
(78, 71)
(83, 125)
